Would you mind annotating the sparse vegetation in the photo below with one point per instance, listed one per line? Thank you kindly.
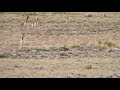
(81, 48)
(64, 48)
(89, 15)
(59, 48)
(75, 46)
(3, 56)
(101, 48)
(63, 54)
(56, 68)
(104, 45)
(105, 15)
(54, 48)
(25, 49)
(99, 42)
(41, 49)
(89, 67)
(110, 44)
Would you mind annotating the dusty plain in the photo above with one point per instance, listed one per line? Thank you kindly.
(62, 45)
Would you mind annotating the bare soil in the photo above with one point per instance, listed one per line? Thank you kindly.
(61, 45)
(60, 68)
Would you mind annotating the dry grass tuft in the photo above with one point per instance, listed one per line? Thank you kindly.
(89, 67)
(110, 44)
(41, 49)
(89, 15)
(99, 42)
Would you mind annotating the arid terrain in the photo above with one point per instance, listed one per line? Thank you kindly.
(62, 45)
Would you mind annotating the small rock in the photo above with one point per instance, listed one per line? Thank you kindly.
(115, 49)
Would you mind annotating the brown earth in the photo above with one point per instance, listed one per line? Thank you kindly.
(66, 36)
(60, 68)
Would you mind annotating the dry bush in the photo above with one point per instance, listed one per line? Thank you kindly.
(3, 56)
(89, 67)
(102, 45)
(99, 42)
(89, 15)
(105, 15)
(110, 44)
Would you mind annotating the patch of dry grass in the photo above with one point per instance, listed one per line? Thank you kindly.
(110, 44)
(89, 15)
(102, 45)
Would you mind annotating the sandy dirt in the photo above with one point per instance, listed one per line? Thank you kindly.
(60, 68)
(61, 45)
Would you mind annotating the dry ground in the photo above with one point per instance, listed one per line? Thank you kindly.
(60, 68)
(58, 30)
(62, 45)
